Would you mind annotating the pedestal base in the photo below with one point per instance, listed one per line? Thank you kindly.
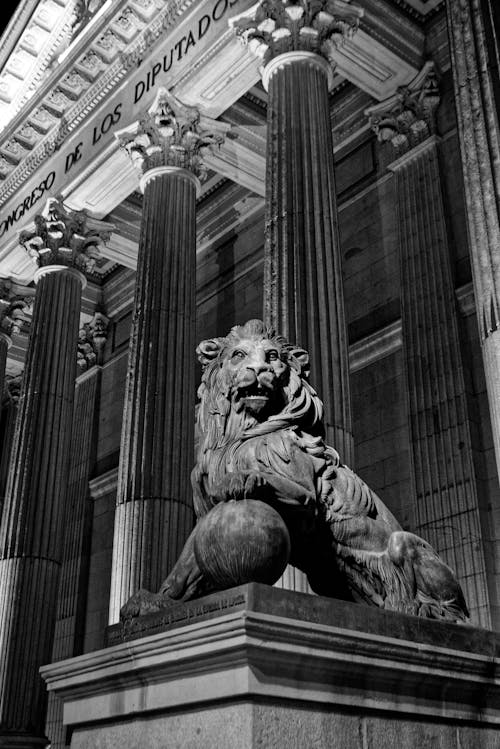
(262, 667)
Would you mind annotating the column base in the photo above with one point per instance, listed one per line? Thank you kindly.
(256, 666)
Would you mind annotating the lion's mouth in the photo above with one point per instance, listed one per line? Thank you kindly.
(254, 397)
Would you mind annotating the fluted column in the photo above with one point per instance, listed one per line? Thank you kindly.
(475, 52)
(446, 503)
(154, 513)
(32, 527)
(5, 343)
(73, 592)
(9, 412)
(303, 294)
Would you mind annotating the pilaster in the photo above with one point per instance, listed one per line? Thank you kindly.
(446, 504)
(13, 303)
(73, 586)
(33, 520)
(9, 403)
(154, 512)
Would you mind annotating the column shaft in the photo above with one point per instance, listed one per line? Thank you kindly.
(4, 347)
(72, 596)
(6, 436)
(31, 532)
(476, 82)
(303, 296)
(154, 508)
(446, 511)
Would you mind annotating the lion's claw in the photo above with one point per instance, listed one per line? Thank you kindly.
(240, 485)
(142, 602)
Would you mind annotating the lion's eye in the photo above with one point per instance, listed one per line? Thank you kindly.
(238, 354)
(272, 356)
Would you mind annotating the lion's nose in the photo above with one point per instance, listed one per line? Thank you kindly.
(258, 367)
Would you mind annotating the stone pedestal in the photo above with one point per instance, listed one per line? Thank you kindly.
(260, 667)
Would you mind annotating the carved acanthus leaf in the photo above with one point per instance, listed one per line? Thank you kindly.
(14, 303)
(409, 116)
(67, 237)
(12, 389)
(91, 340)
(172, 134)
(272, 27)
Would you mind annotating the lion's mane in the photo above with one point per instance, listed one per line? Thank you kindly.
(223, 430)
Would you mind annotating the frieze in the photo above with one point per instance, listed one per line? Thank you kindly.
(67, 145)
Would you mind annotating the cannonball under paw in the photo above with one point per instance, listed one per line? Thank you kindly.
(240, 542)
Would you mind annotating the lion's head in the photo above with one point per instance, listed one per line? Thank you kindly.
(254, 382)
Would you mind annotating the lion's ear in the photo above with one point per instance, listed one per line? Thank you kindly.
(298, 358)
(209, 350)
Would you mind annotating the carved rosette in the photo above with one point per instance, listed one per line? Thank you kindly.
(171, 134)
(91, 340)
(409, 116)
(13, 305)
(274, 27)
(65, 237)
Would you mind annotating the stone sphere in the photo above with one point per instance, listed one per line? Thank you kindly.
(240, 542)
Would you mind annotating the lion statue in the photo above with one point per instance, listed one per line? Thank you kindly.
(262, 437)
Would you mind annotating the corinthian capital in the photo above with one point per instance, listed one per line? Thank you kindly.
(12, 389)
(273, 27)
(14, 301)
(409, 116)
(65, 237)
(171, 134)
(91, 340)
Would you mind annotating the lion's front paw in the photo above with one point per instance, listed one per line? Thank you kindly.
(254, 482)
(142, 602)
(240, 485)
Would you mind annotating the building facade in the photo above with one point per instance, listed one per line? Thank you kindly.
(170, 169)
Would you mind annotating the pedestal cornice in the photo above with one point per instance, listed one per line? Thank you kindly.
(258, 642)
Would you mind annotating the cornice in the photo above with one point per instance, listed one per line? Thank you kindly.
(401, 34)
(93, 66)
(15, 28)
(37, 31)
(103, 485)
